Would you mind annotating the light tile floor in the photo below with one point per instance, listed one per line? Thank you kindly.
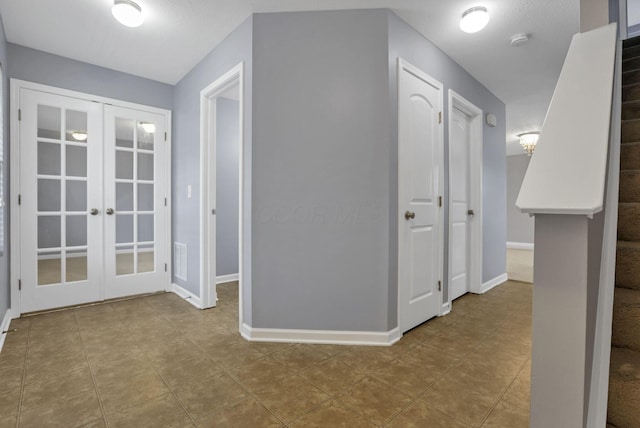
(157, 361)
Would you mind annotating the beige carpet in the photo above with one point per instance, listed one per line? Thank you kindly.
(520, 265)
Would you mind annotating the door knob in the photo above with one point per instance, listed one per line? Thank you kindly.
(409, 215)
(94, 211)
(471, 212)
(109, 211)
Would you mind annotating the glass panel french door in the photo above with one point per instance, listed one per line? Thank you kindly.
(60, 181)
(135, 192)
(93, 187)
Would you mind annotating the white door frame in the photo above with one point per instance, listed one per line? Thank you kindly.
(405, 65)
(208, 97)
(475, 188)
(15, 187)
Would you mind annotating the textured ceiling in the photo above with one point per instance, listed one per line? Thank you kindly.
(177, 34)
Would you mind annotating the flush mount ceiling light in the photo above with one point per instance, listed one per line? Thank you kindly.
(528, 141)
(148, 127)
(79, 135)
(474, 19)
(127, 13)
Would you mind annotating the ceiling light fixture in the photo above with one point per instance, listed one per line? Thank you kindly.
(148, 127)
(79, 135)
(474, 19)
(128, 13)
(528, 141)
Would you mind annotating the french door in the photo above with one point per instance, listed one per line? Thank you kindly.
(93, 215)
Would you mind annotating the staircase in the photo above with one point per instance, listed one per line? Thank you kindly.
(624, 380)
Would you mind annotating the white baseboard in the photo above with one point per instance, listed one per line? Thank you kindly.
(386, 338)
(500, 279)
(6, 321)
(446, 308)
(520, 246)
(227, 278)
(186, 295)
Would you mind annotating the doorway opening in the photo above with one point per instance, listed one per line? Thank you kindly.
(222, 172)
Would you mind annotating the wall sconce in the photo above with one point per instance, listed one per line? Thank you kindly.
(528, 141)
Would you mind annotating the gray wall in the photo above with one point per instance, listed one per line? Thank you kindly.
(41, 67)
(408, 44)
(227, 182)
(520, 227)
(236, 48)
(321, 171)
(4, 147)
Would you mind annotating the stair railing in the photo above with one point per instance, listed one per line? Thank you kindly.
(565, 188)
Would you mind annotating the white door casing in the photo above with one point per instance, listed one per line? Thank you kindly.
(48, 159)
(208, 97)
(420, 189)
(465, 196)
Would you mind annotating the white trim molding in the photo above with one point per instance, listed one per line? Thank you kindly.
(223, 279)
(519, 246)
(208, 97)
(186, 295)
(331, 337)
(6, 321)
(446, 308)
(492, 283)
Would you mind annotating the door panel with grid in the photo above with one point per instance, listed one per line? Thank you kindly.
(134, 201)
(60, 170)
(93, 181)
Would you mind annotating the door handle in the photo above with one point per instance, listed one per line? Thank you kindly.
(109, 211)
(409, 215)
(471, 212)
(94, 211)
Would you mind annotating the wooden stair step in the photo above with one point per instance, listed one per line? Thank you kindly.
(626, 319)
(628, 265)
(624, 388)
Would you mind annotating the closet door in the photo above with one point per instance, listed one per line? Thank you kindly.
(135, 191)
(60, 208)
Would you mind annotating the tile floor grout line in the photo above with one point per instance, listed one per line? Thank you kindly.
(93, 376)
(486, 416)
(173, 393)
(224, 369)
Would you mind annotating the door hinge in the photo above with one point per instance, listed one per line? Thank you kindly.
(19, 199)
(19, 284)
(439, 117)
(165, 202)
(165, 136)
(213, 212)
(165, 267)
(439, 285)
(19, 115)
(439, 201)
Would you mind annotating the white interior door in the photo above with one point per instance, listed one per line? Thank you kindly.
(135, 195)
(60, 251)
(460, 209)
(419, 190)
